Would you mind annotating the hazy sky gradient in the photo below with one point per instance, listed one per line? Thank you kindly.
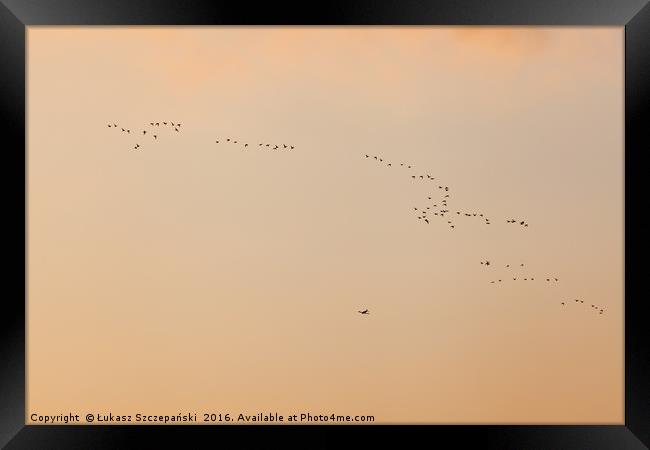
(196, 276)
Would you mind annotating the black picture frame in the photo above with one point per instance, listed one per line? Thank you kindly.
(16, 15)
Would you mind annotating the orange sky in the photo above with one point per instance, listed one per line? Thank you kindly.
(195, 276)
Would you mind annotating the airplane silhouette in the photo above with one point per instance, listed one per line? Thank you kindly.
(365, 311)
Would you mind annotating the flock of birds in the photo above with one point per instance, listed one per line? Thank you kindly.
(529, 278)
(550, 279)
(176, 127)
(595, 308)
(152, 133)
(261, 145)
(436, 205)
